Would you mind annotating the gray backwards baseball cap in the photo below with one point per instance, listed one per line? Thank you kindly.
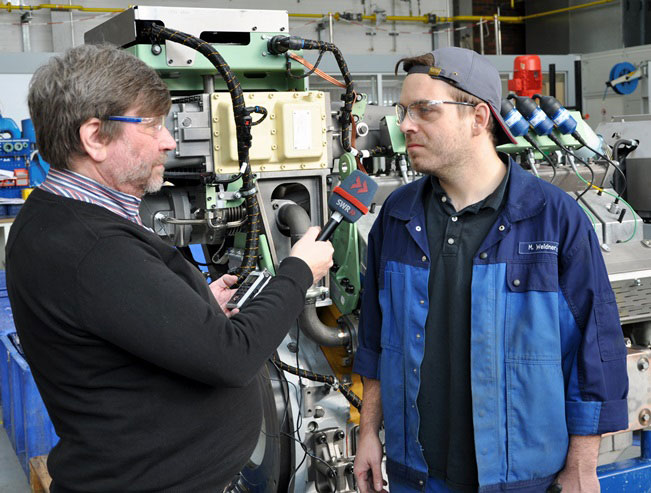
(473, 73)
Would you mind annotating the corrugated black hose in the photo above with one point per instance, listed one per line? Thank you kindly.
(317, 377)
(243, 122)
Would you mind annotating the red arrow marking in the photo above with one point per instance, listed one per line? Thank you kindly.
(364, 189)
(357, 183)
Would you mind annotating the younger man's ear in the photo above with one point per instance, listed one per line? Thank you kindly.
(481, 118)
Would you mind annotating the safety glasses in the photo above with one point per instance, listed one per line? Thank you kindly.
(423, 111)
(153, 124)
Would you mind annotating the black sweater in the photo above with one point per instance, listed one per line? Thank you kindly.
(148, 384)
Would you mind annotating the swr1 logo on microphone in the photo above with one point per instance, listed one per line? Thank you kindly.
(344, 206)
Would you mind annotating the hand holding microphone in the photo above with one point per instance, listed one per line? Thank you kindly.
(349, 201)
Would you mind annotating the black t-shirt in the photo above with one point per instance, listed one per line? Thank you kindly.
(148, 384)
(444, 399)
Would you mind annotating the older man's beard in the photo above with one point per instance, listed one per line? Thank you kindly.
(146, 176)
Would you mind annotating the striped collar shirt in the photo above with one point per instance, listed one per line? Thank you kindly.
(66, 183)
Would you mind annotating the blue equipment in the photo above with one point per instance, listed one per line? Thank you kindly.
(536, 117)
(557, 112)
(514, 119)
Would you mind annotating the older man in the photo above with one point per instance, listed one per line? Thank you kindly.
(149, 383)
(489, 338)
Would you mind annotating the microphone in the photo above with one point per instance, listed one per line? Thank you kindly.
(349, 201)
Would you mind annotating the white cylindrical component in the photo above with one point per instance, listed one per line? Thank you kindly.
(592, 139)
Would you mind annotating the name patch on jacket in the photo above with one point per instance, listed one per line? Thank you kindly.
(529, 247)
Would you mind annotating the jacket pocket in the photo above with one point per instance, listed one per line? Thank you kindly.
(537, 430)
(394, 303)
(532, 276)
(609, 333)
(532, 312)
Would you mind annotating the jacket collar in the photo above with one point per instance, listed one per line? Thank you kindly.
(525, 197)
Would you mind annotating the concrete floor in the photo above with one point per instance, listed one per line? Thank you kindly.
(12, 476)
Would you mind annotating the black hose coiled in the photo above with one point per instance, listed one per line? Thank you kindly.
(316, 377)
(243, 129)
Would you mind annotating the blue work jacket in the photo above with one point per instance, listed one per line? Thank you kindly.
(547, 352)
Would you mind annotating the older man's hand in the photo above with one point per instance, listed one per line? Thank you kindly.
(221, 290)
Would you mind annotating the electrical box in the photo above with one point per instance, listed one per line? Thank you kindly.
(291, 137)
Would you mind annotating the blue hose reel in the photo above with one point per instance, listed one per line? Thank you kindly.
(617, 71)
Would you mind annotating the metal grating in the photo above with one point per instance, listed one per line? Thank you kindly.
(633, 299)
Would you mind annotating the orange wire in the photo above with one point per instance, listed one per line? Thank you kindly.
(318, 72)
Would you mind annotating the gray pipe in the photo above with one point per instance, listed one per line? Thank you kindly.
(295, 218)
(322, 334)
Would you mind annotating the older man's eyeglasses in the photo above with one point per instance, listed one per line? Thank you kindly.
(423, 111)
(153, 124)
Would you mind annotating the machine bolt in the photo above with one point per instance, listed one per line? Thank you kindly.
(208, 199)
(264, 53)
(292, 347)
(627, 342)
(332, 474)
(282, 29)
(349, 469)
(156, 49)
(220, 195)
(339, 435)
(645, 417)
(254, 28)
(237, 195)
(345, 281)
(350, 289)
(637, 282)
(321, 438)
(643, 364)
(359, 97)
(274, 206)
(189, 62)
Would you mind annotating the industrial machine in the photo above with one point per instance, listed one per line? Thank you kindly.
(256, 158)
